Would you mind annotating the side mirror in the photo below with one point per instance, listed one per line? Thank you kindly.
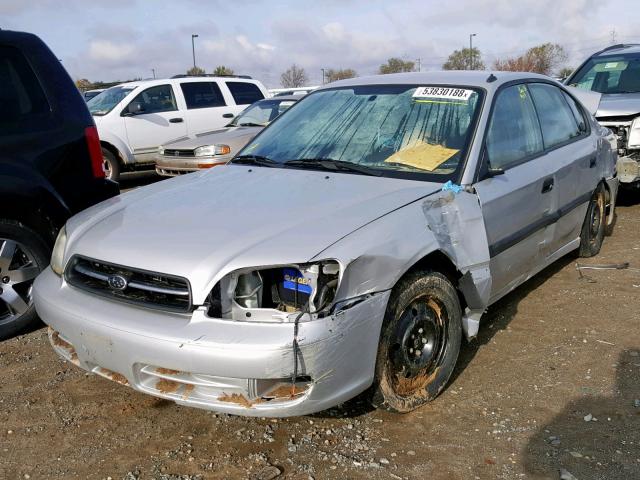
(486, 170)
(134, 108)
(494, 172)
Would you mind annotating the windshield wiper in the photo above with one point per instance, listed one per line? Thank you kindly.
(333, 165)
(254, 160)
(251, 124)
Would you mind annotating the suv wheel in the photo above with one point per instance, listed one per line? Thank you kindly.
(111, 165)
(23, 255)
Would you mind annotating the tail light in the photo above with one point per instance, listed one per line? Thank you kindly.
(95, 151)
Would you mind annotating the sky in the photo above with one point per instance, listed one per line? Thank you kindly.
(124, 39)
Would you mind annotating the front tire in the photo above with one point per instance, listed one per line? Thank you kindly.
(593, 228)
(419, 342)
(111, 165)
(23, 255)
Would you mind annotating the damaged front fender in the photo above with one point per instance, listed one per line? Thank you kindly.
(446, 222)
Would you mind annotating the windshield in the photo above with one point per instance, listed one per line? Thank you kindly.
(261, 113)
(104, 102)
(395, 130)
(610, 74)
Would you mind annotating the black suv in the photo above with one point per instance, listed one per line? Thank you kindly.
(50, 167)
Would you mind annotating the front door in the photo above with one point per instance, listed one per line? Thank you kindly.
(518, 194)
(153, 119)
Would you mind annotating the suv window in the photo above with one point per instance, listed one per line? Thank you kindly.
(157, 99)
(557, 121)
(514, 133)
(21, 95)
(202, 95)
(610, 74)
(244, 93)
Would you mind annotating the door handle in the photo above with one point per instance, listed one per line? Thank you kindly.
(227, 115)
(547, 185)
(176, 120)
(592, 161)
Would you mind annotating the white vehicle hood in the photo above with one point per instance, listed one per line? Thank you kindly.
(202, 226)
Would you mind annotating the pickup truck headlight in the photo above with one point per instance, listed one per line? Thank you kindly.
(212, 150)
(57, 256)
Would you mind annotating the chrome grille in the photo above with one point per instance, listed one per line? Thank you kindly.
(132, 285)
(171, 152)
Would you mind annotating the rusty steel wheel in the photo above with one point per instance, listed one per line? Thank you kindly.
(419, 343)
(593, 228)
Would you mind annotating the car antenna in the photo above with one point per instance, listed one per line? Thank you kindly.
(491, 78)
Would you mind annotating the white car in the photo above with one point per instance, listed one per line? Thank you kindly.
(135, 118)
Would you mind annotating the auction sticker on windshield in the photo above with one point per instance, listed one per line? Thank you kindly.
(442, 93)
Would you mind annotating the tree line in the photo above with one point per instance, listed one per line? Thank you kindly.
(546, 59)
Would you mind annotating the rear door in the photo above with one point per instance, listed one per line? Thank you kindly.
(207, 106)
(571, 152)
(157, 122)
(516, 204)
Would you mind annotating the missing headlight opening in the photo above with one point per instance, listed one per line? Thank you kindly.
(272, 293)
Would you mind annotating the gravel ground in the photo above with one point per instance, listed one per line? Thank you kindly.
(550, 389)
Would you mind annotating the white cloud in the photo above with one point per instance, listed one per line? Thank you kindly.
(109, 51)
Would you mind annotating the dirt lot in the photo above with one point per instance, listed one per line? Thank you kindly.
(552, 382)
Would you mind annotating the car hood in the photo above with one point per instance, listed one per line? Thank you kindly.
(204, 225)
(619, 105)
(227, 135)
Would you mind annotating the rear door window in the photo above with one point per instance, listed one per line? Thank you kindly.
(514, 133)
(202, 95)
(157, 99)
(244, 93)
(557, 121)
(21, 95)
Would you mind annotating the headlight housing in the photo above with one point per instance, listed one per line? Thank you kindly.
(634, 134)
(57, 256)
(276, 293)
(212, 150)
(160, 150)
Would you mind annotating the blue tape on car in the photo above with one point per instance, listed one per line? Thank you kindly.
(294, 280)
(450, 186)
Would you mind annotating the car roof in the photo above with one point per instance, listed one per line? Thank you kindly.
(164, 81)
(489, 80)
(618, 49)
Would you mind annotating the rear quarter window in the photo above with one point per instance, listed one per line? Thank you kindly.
(21, 96)
(244, 93)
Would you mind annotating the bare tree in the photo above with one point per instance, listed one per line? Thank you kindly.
(195, 71)
(539, 59)
(294, 77)
(464, 59)
(564, 72)
(396, 65)
(332, 75)
(222, 70)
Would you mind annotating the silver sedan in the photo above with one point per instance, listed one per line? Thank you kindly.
(352, 244)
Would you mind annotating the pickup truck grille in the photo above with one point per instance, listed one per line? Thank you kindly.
(131, 285)
(171, 152)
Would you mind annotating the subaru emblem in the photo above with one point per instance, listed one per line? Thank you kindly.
(117, 282)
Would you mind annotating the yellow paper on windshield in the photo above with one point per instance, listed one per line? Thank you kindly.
(423, 155)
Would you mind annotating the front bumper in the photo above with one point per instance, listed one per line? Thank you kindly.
(629, 169)
(172, 166)
(228, 366)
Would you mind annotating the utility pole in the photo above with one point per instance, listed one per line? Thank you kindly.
(153, 70)
(193, 48)
(418, 63)
(471, 50)
(322, 75)
(613, 36)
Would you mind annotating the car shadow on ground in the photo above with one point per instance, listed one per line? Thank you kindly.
(132, 180)
(594, 437)
(628, 197)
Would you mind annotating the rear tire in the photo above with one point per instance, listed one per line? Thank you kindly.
(111, 165)
(419, 342)
(593, 228)
(23, 255)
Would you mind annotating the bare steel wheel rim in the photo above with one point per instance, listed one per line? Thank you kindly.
(18, 270)
(418, 345)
